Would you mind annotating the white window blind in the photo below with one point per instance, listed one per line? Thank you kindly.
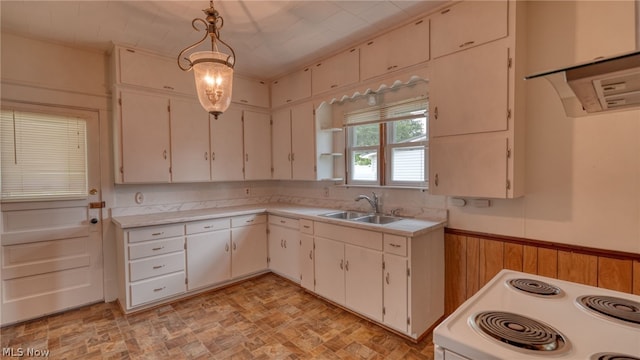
(392, 112)
(43, 156)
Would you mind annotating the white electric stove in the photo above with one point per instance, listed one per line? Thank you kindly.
(524, 316)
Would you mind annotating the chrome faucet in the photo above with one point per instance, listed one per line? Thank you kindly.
(375, 204)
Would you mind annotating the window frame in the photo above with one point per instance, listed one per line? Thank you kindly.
(385, 147)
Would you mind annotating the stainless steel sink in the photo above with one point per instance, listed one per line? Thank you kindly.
(345, 215)
(361, 217)
(377, 219)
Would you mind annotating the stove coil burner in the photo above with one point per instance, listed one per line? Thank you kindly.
(612, 356)
(519, 331)
(611, 306)
(535, 287)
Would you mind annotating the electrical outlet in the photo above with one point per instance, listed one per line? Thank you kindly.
(247, 191)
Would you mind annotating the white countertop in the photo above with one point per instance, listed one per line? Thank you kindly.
(404, 227)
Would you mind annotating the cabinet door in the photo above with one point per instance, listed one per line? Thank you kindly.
(257, 146)
(339, 70)
(467, 24)
(463, 166)
(226, 146)
(208, 258)
(363, 275)
(306, 262)
(395, 287)
(469, 91)
(281, 144)
(250, 92)
(288, 241)
(329, 269)
(374, 57)
(139, 68)
(144, 120)
(277, 255)
(189, 142)
(249, 249)
(291, 87)
(303, 142)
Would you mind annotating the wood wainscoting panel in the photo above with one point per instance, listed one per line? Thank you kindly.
(579, 268)
(548, 262)
(455, 270)
(472, 259)
(473, 266)
(615, 274)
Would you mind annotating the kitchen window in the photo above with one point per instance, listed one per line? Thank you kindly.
(43, 156)
(388, 145)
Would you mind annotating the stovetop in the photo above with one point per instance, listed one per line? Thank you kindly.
(536, 317)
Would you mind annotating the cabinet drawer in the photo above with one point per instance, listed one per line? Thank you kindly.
(395, 244)
(154, 266)
(157, 288)
(155, 232)
(157, 247)
(207, 225)
(283, 221)
(306, 226)
(248, 220)
(349, 235)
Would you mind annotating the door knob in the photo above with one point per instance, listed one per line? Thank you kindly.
(93, 191)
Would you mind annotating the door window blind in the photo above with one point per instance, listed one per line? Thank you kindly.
(43, 156)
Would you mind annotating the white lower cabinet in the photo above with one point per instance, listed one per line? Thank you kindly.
(306, 255)
(329, 269)
(363, 288)
(395, 290)
(284, 247)
(208, 253)
(249, 245)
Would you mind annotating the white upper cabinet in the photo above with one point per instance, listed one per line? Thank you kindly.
(250, 92)
(140, 68)
(303, 153)
(337, 71)
(469, 91)
(291, 87)
(189, 141)
(405, 46)
(257, 145)
(467, 24)
(281, 144)
(227, 149)
(144, 143)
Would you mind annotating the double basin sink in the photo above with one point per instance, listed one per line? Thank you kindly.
(361, 217)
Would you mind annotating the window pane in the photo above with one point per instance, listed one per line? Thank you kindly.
(408, 164)
(365, 135)
(364, 165)
(409, 130)
(43, 156)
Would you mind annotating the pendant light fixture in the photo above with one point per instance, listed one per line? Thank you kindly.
(213, 70)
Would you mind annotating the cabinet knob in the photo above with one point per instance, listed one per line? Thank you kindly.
(234, 246)
(310, 254)
(285, 243)
(346, 265)
(341, 264)
(281, 243)
(206, 156)
(164, 154)
(226, 247)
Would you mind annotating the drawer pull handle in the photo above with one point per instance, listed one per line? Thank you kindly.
(158, 248)
(249, 221)
(394, 245)
(282, 222)
(310, 254)
(158, 233)
(158, 267)
(386, 278)
(281, 243)
(226, 247)
(341, 264)
(208, 227)
(306, 226)
(159, 289)
(234, 246)
(285, 244)
(467, 44)
(346, 265)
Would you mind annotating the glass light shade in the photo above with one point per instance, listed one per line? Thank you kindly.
(214, 80)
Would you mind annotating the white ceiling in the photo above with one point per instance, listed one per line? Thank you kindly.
(269, 37)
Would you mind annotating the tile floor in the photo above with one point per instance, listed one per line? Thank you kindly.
(263, 318)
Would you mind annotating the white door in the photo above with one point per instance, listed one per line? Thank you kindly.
(52, 250)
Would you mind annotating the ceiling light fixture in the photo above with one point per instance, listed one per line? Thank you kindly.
(213, 70)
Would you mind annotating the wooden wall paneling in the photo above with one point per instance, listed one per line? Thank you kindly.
(548, 262)
(530, 259)
(580, 268)
(513, 256)
(615, 274)
(473, 266)
(455, 271)
(636, 277)
(491, 259)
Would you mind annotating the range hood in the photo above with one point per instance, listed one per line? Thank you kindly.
(601, 85)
